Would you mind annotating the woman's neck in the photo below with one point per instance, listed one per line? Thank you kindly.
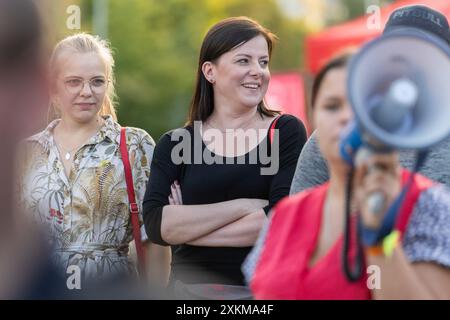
(73, 127)
(334, 208)
(337, 190)
(338, 181)
(73, 133)
(227, 117)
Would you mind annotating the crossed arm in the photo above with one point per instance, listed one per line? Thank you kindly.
(234, 223)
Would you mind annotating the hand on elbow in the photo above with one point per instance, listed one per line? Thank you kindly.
(252, 205)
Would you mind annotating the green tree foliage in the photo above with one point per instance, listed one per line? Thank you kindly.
(356, 8)
(156, 45)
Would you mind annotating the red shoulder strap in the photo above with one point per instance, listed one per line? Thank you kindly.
(134, 209)
(272, 129)
(419, 184)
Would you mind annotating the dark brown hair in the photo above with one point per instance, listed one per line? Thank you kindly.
(221, 38)
(338, 61)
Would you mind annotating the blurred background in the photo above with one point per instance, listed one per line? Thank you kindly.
(156, 45)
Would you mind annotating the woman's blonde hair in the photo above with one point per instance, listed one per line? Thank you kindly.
(86, 43)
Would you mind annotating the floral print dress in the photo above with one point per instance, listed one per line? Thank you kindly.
(87, 213)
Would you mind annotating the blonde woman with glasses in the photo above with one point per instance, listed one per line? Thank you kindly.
(74, 182)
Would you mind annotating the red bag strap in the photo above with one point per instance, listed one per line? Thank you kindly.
(134, 209)
(272, 129)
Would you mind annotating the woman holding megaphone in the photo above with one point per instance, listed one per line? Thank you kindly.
(299, 252)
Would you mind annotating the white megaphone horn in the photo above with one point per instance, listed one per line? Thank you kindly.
(399, 89)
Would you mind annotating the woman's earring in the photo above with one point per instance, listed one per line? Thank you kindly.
(213, 81)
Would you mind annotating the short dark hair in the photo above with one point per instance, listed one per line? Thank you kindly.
(221, 38)
(339, 61)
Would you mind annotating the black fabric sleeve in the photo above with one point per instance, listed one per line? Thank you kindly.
(163, 172)
(292, 137)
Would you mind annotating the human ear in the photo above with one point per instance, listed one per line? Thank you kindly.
(209, 71)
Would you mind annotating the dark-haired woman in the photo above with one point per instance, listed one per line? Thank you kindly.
(214, 181)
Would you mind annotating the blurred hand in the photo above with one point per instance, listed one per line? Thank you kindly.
(377, 173)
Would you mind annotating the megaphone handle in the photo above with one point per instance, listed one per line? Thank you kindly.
(376, 202)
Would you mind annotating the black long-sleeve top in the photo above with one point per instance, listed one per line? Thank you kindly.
(211, 183)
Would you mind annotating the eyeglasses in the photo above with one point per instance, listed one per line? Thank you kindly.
(75, 85)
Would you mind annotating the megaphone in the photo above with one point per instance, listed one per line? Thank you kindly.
(399, 88)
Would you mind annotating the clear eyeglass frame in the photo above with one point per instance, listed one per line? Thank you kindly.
(97, 85)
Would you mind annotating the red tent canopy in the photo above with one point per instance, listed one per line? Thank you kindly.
(286, 94)
(322, 46)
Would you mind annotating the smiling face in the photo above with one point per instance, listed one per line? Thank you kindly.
(332, 112)
(80, 86)
(241, 76)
